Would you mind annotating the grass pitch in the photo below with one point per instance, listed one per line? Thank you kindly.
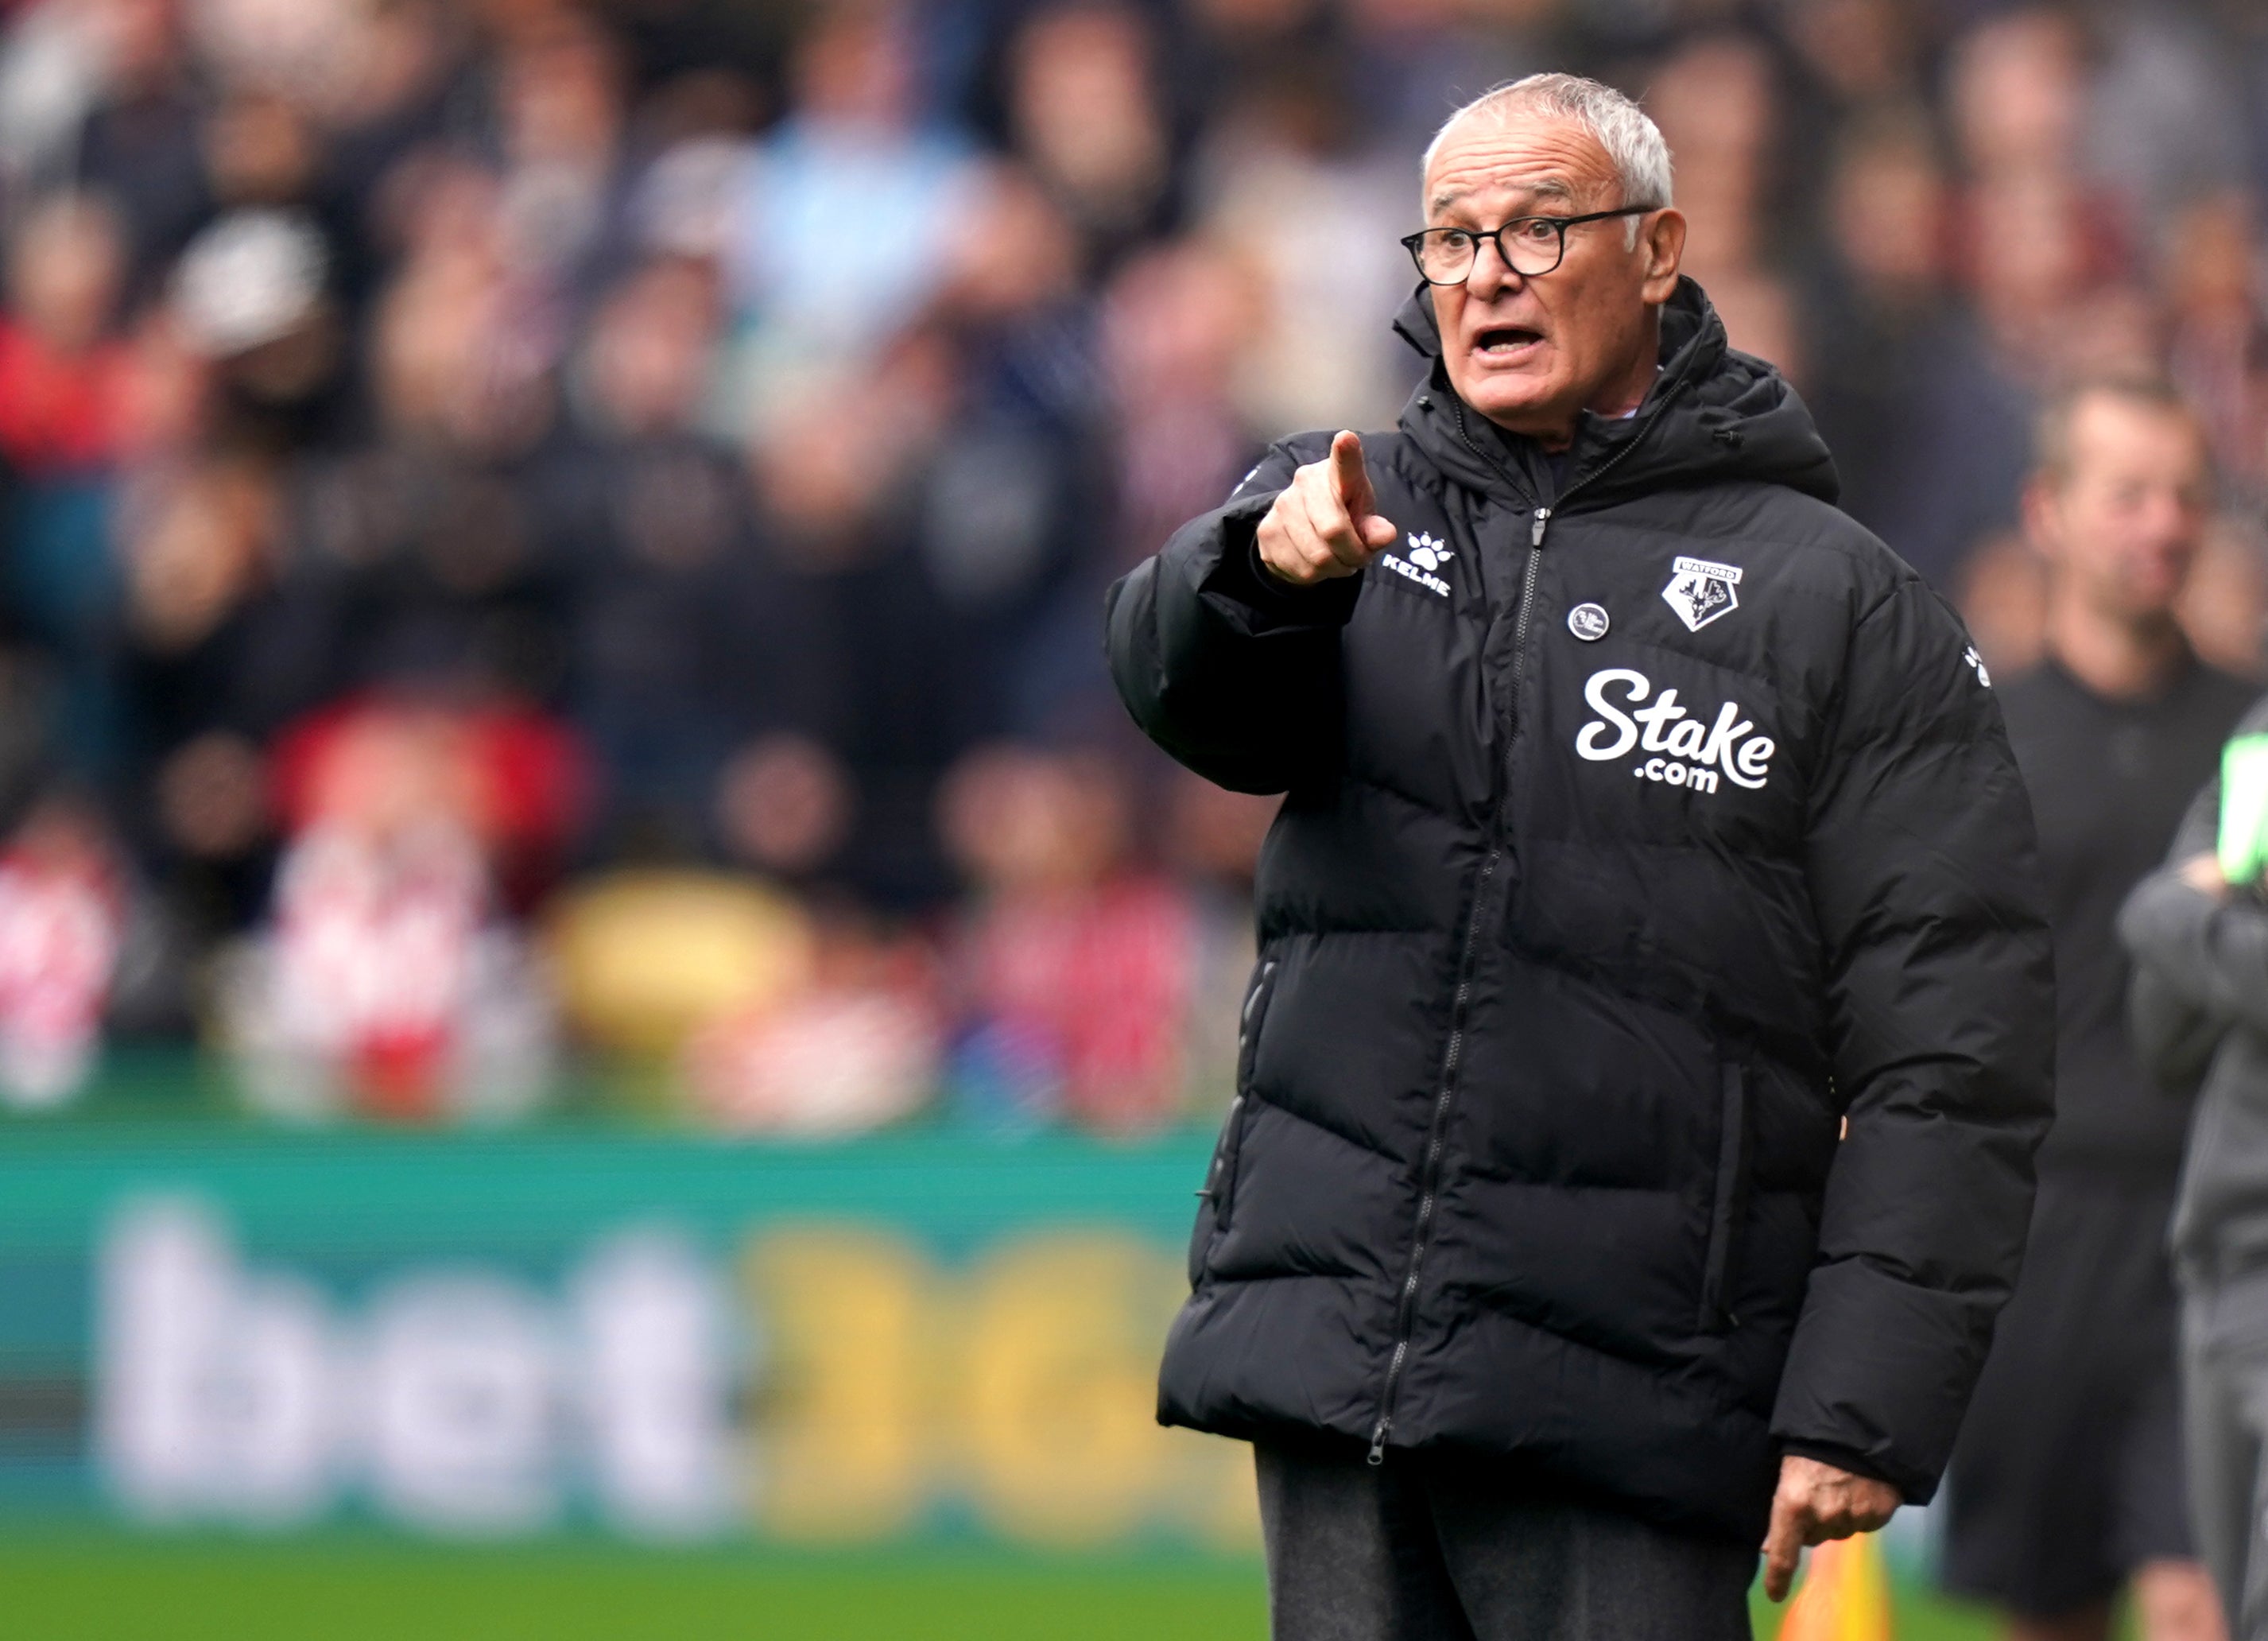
(95, 1585)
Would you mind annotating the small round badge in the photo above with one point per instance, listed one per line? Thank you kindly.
(1587, 621)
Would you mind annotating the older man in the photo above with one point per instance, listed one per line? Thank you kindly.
(1652, 1026)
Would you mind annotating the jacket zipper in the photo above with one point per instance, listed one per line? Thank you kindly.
(1405, 1309)
(1544, 515)
(1429, 1177)
(1728, 1206)
(1437, 1135)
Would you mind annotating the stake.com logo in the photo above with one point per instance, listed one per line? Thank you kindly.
(1693, 751)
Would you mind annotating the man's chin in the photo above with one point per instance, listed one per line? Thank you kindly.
(1519, 402)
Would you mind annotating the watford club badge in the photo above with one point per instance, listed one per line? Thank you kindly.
(1700, 592)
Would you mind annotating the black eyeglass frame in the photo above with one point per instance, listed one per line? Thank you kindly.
(1414, 243)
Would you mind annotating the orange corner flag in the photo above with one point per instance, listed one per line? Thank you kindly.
(1845, 1595)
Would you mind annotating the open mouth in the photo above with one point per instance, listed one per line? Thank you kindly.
(1503, 340)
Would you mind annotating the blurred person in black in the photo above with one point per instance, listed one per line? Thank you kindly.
(1929, 440)
(423, 550)
(1004, 531)
(140, 144)
(212, 654)
(2066, 1483)
(1082, 108)
(686, 644)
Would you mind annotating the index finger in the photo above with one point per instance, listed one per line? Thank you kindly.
(1783, 1545)
(1349, 479)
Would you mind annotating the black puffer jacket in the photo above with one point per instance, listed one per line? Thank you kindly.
(1577, 945)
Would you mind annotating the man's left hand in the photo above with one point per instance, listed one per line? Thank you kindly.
(1817, 1502)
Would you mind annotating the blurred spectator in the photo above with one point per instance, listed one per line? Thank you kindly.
(842, 510)
(1758, 311)
(51, 73)
(2164, 124)
(425, 552)
(66, 417)
(1851, 65)
(250, 298)
(1420, 58)
(141, 142)
(2224, 606)
(784, 804)
(1172, 325)
(1931, 439)
(211, 661)
(683, 643)
(2016, 94)
(847, 205)
(2032, 244)
(1085, 111)
(857, 1048)
(1715, 105)
(1288, 184)
(1225, 48)
(1861, 53)
(1074, 972)
(778, 1021)
(402, 68)
(385, 981)
(61, 922)
(563, 191)
(1010, 501)
(62, 392)
(2218, 344)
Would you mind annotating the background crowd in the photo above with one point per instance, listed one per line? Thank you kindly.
(535, 535)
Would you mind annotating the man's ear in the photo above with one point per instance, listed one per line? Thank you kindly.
(1663, 243)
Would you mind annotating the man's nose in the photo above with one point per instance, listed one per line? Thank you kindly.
(2167, 516)
(1491, 273)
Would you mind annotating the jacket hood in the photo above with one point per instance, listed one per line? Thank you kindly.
(1714, 414)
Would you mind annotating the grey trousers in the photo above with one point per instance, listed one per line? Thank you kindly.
(2224, 1431)
(1430, 1549)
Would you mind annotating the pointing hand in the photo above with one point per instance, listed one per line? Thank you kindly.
(1326, 524)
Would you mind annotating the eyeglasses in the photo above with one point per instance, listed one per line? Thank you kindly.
(1531, 246)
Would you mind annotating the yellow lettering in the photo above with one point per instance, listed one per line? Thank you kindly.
(1061, 1385)
(839, 1451)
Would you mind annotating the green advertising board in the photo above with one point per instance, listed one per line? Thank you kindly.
(918, 1338)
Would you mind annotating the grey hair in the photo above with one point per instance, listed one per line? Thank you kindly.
(1632, 141)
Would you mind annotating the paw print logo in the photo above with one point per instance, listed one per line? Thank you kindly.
(1978, 661)
(1428, 553)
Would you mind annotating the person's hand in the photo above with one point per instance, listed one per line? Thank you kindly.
(1817, 1502)
(2202, 872)
(1326, 524)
